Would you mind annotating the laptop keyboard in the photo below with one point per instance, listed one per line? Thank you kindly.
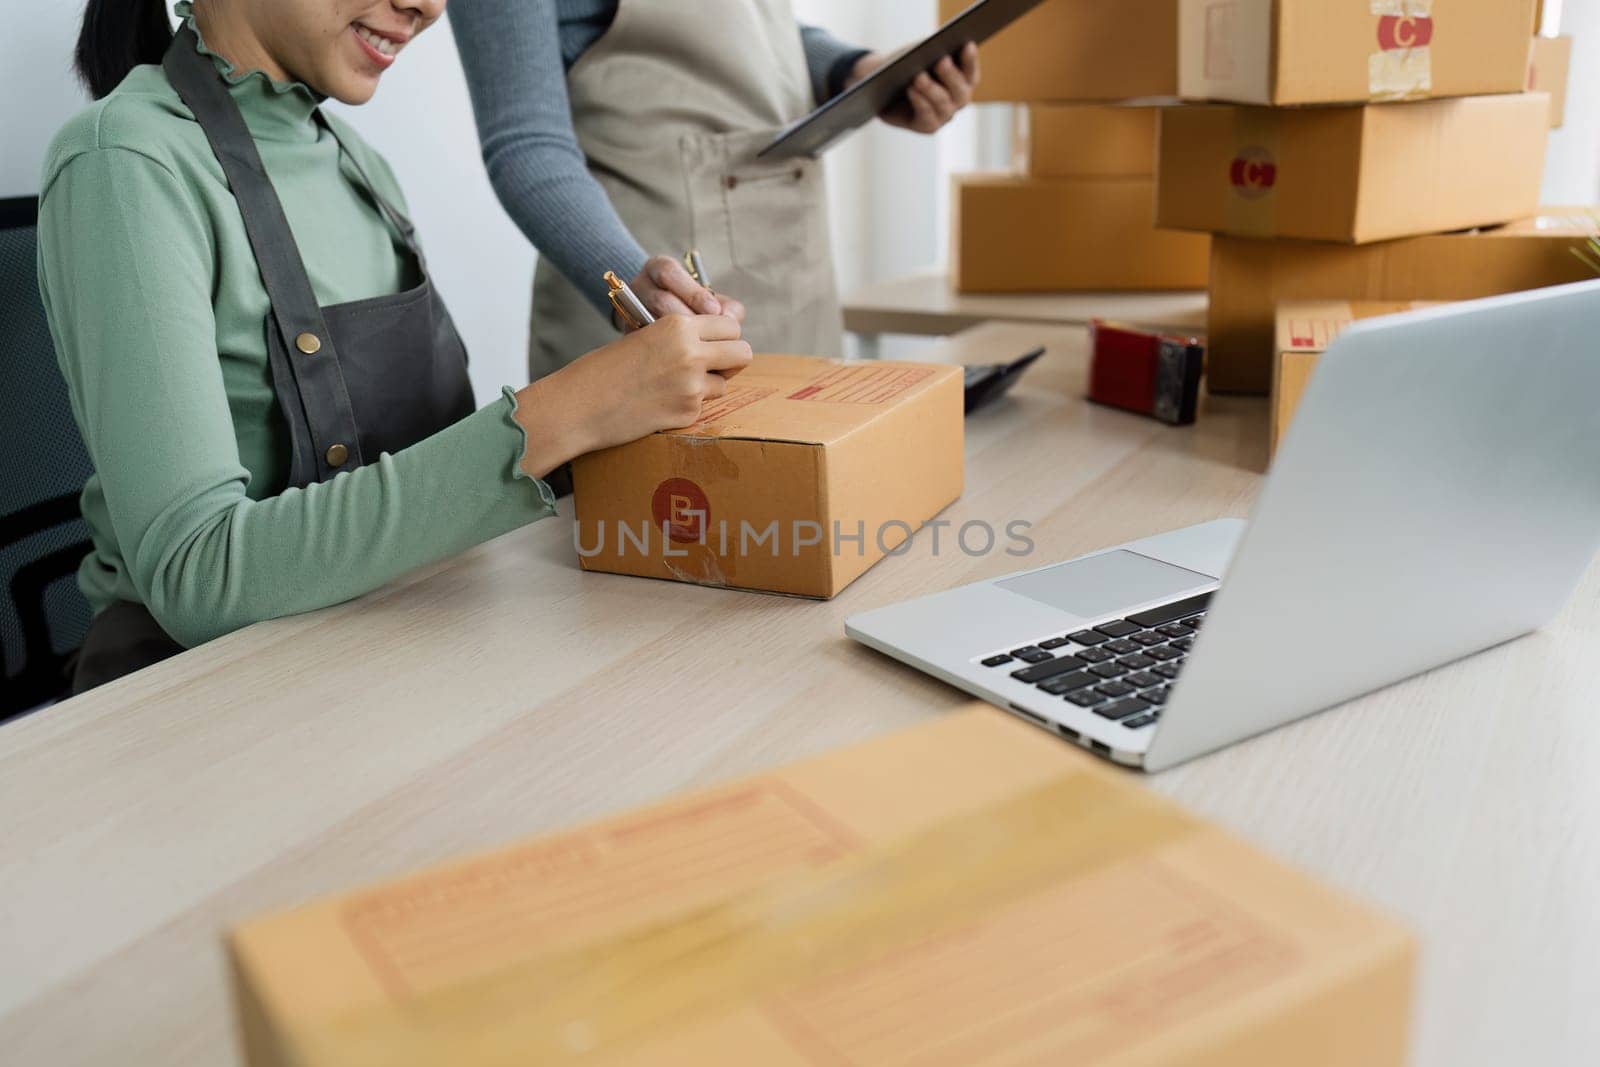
(1121, 670)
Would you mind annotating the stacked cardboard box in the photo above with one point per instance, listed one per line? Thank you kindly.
(1077, 209)
(1549, 63)
(1421, 126)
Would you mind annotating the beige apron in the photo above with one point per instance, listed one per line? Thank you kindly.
(671, 106)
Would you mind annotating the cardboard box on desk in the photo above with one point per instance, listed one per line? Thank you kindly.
(1353, 174)
(966, 892)
(1015, 234)
(1080, 50)
(1549, 65)
(1305, 330)
(1250, 278)
(802, 476)
(1085, 141)
(1315, 52)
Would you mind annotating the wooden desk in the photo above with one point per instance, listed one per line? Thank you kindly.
(925, 304)
(506, 693)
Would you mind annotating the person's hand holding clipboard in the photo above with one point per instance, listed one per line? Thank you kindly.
(919, 88)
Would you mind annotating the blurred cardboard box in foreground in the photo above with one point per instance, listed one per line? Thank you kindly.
(806, 473)
(1017, 234)
(1249, 278)
(1354, 174)
(1082, 50)
(966, 892)
(1315, 52)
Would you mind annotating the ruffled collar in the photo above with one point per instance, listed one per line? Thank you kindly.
(272, 110)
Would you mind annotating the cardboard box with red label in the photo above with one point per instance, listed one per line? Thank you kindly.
(1249, 278)
(1017, 234)
(806, 473)
(1281, 52)
(1355, 174)
(965, 892)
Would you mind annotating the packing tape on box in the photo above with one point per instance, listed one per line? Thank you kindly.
(617, 994)
(1403, 8)
(1253, 176)
(1402, 68)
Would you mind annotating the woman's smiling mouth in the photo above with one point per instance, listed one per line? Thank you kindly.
(380, 48)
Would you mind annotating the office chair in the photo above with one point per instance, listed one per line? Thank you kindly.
(43, 465)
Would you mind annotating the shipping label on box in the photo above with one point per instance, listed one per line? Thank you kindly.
(1015, 234)
(936, 896)
(1356, 174)
(796, 481)
(1278, 52)
(1249, 278)
(1305, 330)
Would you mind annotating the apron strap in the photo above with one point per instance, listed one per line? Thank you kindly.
(301, 326)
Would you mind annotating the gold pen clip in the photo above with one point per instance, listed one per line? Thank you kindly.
(697, 267)
(628, 305)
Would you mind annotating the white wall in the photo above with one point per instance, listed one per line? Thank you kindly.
(37, 90)
(1572, 172)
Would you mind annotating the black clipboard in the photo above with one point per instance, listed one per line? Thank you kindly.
(988, 382)
(865, 101)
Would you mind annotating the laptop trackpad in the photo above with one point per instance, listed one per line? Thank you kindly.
(1107, 584)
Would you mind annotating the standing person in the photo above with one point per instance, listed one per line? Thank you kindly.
(618, 130)
(271, 390)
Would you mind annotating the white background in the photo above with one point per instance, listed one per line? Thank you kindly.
(889, 190)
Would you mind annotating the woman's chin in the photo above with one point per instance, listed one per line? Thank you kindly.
(353, 88)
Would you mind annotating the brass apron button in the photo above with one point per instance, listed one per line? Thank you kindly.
(337, 455)
(309, 343)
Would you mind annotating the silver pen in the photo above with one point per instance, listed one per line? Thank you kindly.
(627, 303)
(697, 267)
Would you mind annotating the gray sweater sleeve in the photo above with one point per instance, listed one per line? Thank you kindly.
(829, 60)
(511, 53)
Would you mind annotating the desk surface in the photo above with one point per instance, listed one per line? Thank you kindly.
(505, 693)
(925, 304)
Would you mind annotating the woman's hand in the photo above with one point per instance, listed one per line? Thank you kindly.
(653, 379)
(666, 287)
(934, 98)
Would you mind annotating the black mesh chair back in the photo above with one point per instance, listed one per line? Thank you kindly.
(43, 465)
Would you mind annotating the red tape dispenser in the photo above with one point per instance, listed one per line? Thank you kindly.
(1148, 373)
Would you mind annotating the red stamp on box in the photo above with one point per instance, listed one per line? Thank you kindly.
(682, 508)
(1253, 173)
(1404, 31)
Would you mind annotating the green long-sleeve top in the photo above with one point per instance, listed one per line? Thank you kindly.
(159, 319)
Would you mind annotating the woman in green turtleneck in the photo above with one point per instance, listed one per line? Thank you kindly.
(272, 393)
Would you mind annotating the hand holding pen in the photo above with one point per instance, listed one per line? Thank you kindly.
(666, 287)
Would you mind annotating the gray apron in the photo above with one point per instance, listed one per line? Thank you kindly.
(670, 115)
(352, 380)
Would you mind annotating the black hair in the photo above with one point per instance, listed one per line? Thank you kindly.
(117, 36)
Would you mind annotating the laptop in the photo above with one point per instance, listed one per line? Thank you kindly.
(1437, 494)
